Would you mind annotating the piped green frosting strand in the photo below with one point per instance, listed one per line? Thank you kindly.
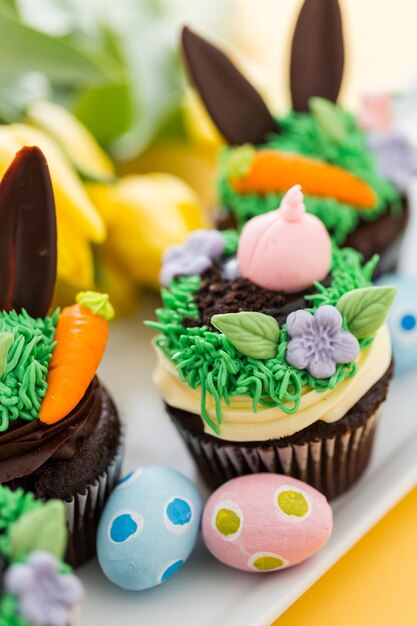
(301, 133)
(9, 612)
(23, 384)
(207, 359)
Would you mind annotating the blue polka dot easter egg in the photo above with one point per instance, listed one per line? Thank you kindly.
(402, 321)
(149, 527)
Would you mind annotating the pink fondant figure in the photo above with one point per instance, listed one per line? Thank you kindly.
(287, 249)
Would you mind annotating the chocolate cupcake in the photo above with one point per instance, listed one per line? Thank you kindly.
(273, 354)
(60, 434)
(354, 180)
(36, 586)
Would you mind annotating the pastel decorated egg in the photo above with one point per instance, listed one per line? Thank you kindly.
(149, 527)
(265, 522)
(402, 321)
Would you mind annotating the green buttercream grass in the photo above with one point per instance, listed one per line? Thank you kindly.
(9, 612)
(23, 383)
(304, 134)
(207, 360)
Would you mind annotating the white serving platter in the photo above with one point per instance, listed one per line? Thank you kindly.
(204, 592)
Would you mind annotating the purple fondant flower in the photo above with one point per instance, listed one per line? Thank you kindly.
(208, 242)
(318, 341)
(193, 257)
(395, 156)
(45, 596)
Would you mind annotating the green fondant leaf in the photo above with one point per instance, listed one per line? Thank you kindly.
(329, 118)
(253, 334)
(40, 529)
(365, 309)
(6, 340)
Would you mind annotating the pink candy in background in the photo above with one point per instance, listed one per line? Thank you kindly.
(287, 249)
(376, 112)
(255, 534)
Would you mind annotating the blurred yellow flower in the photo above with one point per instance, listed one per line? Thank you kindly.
(112, 231)
(78, 144)
(145, 214)
(197, 121)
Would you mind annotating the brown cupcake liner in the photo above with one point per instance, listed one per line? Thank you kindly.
(84, 510)
(330, 464)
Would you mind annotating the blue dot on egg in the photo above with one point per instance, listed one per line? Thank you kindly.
(125, 478)
(123, 527)
(171, 569)
(179, 512)
(408, 322)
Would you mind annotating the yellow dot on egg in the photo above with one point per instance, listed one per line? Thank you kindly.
(266, 563)
(293, 503)
(227, 522)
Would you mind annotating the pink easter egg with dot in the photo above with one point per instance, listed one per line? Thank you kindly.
(287, 249)
(266, 522)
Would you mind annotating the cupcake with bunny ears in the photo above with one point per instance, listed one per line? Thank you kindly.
(60, 434)
(272, 352)
(355, 170)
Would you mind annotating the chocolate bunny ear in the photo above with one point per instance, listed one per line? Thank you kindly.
(234, 105)
(317, 53)
(28, 251)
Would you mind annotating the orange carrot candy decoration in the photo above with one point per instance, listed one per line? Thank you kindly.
(81, 336)
(270, 171)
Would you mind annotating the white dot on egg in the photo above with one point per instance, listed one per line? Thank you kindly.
(227, 520)
(129, 479)
(266, 562)
(170, 569)
(292, 504)
(125, 525)
(178, 514)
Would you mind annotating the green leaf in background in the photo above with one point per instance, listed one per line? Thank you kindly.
(24, 49)
(115, 64)
(106, 110)
(40, 529)
(329, 117)
(9, 8)
(365, 310)
(253, 334)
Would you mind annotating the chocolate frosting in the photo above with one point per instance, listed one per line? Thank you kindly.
(317, 53)
(234, 105)
(218, 294)
(26, 446)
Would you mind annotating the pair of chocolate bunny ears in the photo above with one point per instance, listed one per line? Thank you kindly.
(28, 247)
(28, 250)
(236, 108)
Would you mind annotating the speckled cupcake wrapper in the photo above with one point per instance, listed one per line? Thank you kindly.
(85, 508)
(331, 464)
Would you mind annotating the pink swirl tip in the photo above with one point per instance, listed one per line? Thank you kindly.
(292, 206)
